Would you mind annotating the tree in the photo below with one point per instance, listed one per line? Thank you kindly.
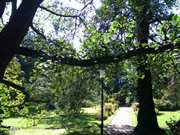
(118, 24)
(141, 13)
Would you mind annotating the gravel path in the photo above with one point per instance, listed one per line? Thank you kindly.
(122, 117)
(121, 123)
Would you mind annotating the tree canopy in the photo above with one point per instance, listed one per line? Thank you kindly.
(40, 35)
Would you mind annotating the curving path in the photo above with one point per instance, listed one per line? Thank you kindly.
(121, 123)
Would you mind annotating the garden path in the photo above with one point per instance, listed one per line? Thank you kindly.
(121, 123)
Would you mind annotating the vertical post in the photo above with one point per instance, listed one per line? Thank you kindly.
(102, 100)
(102, 107)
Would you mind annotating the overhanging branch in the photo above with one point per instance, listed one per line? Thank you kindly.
(94, 61)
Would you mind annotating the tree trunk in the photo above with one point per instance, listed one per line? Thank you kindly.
(147, 120)
(13, 33)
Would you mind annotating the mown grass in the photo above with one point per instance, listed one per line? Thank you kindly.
(163, 117)
(85, 123)
(38, 132)
(133, 118)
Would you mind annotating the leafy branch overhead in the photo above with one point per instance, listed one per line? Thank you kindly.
(110, 32)
(97, 60)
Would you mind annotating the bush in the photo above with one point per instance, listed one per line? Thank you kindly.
(111, 100)
(166, 105)
(157, 111)
(4, 131)
(87, 103)
(135, 107)
(111, 105)
(174, 126)
(109, 108)
(98, 115)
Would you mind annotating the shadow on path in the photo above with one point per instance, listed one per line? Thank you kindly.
(116, 130)
(121, 124)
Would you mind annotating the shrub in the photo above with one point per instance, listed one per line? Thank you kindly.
(157, 110)
(174, 126)
(87, 103)
(98, 115)
(111, 100)
(166, 105)
(109, 108)
(135, 107)
(4, 131)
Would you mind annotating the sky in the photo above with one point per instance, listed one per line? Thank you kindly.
(76, 5)
(71, 4)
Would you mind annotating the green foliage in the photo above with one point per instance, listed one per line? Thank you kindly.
(135, 107)
(11, 98)
(4, 131)
(64, 87)
(167, 105)
(174, 126)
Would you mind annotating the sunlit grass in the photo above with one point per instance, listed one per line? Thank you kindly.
(133, 118)
(167, 116)
(51, 123)
(162, 117)
(18, 122)
(39, 132)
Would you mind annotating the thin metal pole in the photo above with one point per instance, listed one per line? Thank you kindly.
(102, 107)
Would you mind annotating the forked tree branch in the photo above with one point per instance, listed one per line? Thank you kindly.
(38, 32)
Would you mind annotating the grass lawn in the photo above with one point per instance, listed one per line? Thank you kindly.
(38, 132)
(85, 123)
(167, 116)
(162, 117)
(133, 118)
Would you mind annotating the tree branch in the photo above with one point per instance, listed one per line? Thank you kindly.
(17, 87)
(2, 7)
(15, 30)
(14, 7)
(94, 61)
(85, 6)
(60, 15)
(38, 32)
(13, 85)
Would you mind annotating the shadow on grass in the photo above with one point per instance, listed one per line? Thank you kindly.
(93, 130)
(168, 131)
(81, 124)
